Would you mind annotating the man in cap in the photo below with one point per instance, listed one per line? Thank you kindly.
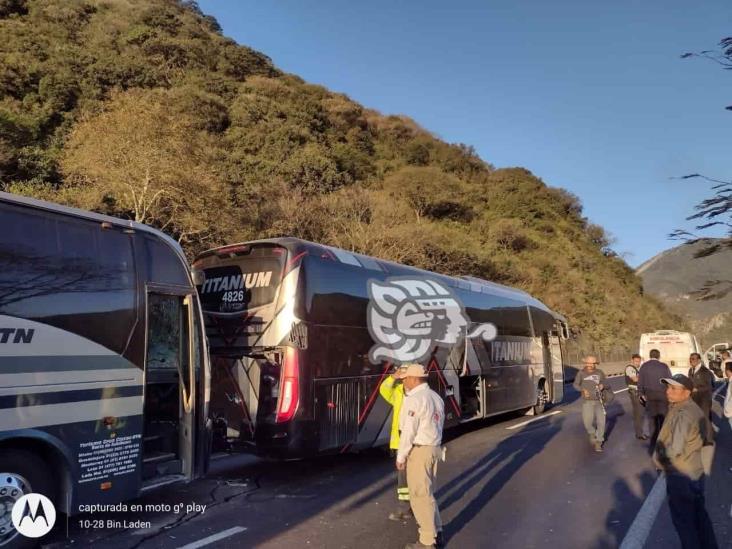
(392, 391)
(651, 391)
(631, 381)
(590, 382)
(420, 421)
(678, 454)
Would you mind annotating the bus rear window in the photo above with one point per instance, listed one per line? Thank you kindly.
(242, 282)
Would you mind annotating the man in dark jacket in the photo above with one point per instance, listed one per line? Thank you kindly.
(703, 380)
(649, 385)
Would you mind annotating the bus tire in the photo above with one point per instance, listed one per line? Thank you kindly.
(542, 397)
(22, 464)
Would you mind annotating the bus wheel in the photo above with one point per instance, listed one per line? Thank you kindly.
(541, 399)
(21, 473)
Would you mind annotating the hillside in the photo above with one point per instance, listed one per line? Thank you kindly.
(685, 283)
(143, 109)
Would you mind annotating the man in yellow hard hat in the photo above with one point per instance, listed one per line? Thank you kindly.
(392, 390)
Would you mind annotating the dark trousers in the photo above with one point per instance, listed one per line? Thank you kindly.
(656, 410)
(705, 403)
(402, 491)
(637, 412)
(688, 513)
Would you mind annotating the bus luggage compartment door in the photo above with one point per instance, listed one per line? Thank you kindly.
(337, 410)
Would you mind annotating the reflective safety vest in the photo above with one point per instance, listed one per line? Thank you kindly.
(393, 393)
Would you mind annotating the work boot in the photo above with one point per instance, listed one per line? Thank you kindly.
(598, 446)
(418, 545)
(400, 515)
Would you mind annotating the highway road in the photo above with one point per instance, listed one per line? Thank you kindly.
(514, 481)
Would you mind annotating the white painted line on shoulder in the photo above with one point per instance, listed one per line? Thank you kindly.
(620, 390)
(639, 531)
(214, 538)
(555, 412)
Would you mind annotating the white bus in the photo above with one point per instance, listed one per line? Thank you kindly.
(675, 348)
(103, 360)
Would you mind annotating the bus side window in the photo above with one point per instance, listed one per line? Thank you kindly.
(68, 273)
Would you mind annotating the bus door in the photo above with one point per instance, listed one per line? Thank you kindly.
(169, 417)
(556, 366)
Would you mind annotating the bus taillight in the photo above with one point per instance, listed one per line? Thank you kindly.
(289, 386)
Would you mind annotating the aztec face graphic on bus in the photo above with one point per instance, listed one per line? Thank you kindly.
(407, 317)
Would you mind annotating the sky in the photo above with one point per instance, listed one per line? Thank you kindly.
(590, 96)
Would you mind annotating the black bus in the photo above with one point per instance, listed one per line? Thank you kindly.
(103, 363)
(301, 336)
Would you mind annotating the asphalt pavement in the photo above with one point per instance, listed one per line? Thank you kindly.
(512, 481)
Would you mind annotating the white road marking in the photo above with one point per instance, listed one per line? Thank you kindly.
(215, 537)
(534, 419)
(620, 391)
(638, 532)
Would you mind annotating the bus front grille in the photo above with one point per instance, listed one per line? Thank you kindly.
(337, 412)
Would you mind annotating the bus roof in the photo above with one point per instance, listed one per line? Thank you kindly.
(92, 216)
(471, 283)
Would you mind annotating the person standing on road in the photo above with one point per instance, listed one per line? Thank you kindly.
(590, 381)
(651, 391)
(420, 448)
(631, 380)
(678, 453)
(728, 395)
(703, 380)
(392, 391)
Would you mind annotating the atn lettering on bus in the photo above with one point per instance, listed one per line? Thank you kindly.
(20, 335)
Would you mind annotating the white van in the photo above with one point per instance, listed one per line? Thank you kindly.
(713, 358)
(675, 348)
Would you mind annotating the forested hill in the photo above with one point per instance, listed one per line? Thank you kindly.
(702, 293)
(143, 109)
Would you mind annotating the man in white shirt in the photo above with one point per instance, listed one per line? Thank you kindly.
(420, 422)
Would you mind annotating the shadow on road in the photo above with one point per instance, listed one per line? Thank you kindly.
(626, 505)
(614, 412)
(495, 469)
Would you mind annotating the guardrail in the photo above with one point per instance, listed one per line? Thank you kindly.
(610, 369)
